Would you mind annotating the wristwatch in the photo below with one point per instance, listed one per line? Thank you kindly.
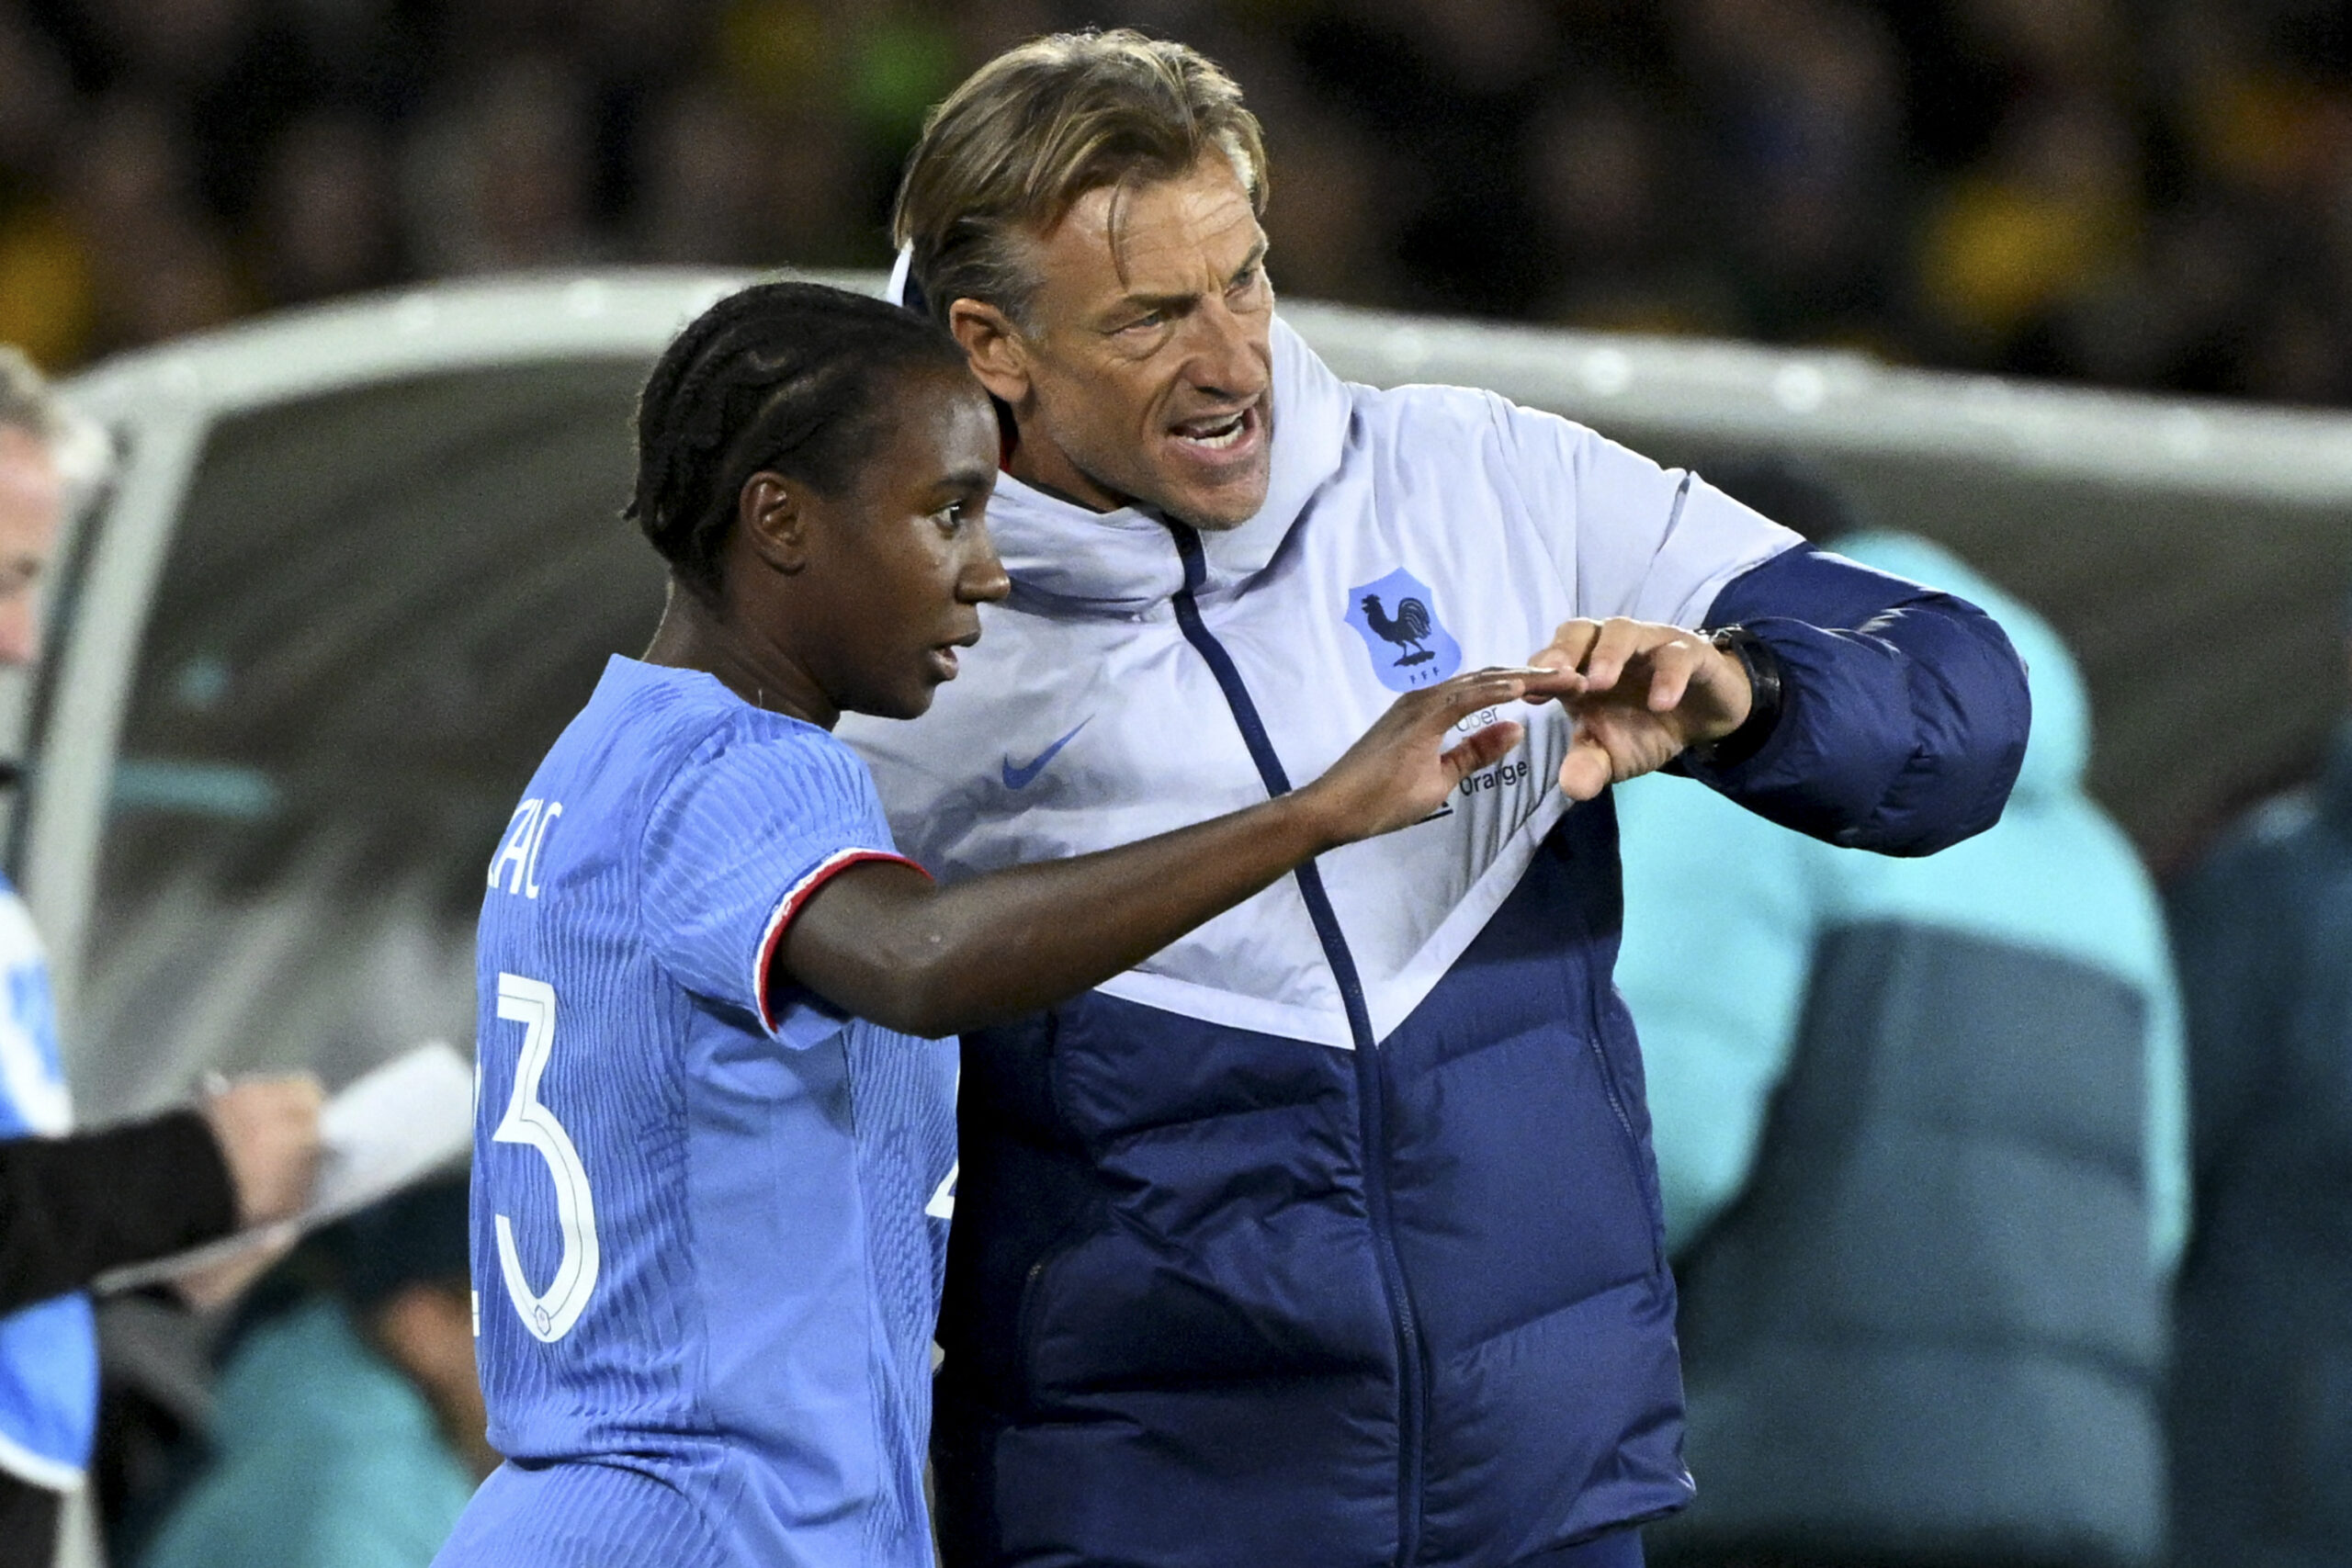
(1765, 697)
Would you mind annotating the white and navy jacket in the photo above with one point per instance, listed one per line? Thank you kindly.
(1329, 1235)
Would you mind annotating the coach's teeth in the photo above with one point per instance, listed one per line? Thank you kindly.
(1212, 431)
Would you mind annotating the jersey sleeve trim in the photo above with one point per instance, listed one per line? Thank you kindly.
(788, 907)
(34, 1469)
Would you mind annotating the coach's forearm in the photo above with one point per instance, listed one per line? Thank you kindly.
(881, 942)
(1905, 710)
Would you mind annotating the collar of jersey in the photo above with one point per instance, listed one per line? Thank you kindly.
(1125, 561)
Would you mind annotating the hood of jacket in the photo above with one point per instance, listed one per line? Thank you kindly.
(2057, 755)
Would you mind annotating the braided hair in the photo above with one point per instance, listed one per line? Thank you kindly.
(782, 377)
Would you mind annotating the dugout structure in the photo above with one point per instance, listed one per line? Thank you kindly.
(356, 565)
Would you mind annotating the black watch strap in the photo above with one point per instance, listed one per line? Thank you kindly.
(1766, 696)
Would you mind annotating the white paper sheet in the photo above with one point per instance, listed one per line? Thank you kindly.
(386, 1131)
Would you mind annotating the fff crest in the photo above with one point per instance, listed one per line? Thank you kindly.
(1397, 617)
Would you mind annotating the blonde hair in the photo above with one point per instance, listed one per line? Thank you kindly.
(1011, 150)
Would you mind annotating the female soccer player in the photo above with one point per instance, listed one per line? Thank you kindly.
(715, 1141)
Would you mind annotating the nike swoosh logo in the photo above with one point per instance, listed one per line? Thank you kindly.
(1017, 776)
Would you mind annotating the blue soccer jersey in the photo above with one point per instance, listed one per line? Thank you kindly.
(707, 1218)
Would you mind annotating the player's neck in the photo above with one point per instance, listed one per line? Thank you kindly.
(697, 636)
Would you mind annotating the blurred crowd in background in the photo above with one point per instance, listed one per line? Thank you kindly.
(2149, 193)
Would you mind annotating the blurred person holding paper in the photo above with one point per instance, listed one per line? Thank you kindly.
(74, 1206)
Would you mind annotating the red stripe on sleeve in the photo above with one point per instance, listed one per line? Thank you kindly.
(789, 907)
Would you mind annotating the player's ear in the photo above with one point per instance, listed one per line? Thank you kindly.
(773, 516)
(993, 344)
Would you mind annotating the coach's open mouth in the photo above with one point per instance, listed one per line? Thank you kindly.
(1220, 438)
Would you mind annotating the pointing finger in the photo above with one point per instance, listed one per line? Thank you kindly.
(1545, 683)
(1672, 664)
(1570, 640)
(1466, 694)
(1619, 640)
(1564, 655)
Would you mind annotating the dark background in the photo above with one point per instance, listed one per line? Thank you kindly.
(2148, 192)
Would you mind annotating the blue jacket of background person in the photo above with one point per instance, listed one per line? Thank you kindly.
(1922, 1288)
(1327, 1237)
(2261, 1375)
(48, 1352)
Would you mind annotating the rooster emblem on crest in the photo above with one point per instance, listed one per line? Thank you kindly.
(1403, 626)
(1409, 630)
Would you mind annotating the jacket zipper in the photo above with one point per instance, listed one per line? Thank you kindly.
(1608, 1086)
(1596, 1035)
(1596, 1029)
(1372, 1107)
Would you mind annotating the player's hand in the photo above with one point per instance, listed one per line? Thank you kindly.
(1640, 694)
(268, 1131)
(1399, 772)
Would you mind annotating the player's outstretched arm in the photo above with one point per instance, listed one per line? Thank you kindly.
(881, 941)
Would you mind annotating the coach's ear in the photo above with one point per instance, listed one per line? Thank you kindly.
(993, 344)
(771, 520)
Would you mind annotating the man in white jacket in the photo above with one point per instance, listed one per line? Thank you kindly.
(1329, 1236)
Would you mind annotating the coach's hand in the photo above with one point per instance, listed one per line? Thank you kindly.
(1640, 692)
